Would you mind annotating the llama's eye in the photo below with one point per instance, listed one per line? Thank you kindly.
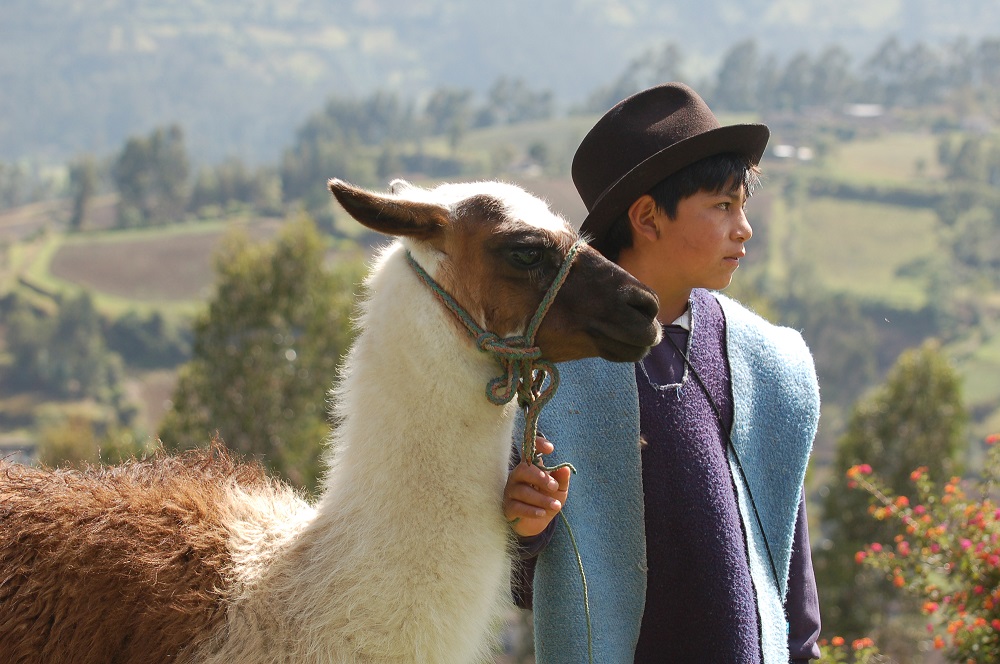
(526, 257)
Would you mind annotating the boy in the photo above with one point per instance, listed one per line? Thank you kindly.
(688, 509)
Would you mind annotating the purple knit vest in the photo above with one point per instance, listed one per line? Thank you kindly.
(700, 601)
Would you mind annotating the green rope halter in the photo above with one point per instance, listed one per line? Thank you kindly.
(524, 370)
(524, 374)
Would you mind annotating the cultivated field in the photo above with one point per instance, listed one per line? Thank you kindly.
(164, 265)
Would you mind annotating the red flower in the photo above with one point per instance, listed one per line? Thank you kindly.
(860, 469)
(862, 643)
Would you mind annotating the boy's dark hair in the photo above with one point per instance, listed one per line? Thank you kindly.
(711, 174)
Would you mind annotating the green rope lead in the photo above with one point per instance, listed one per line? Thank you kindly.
(586, 593)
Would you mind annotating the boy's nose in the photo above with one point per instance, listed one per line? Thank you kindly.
(743, 230)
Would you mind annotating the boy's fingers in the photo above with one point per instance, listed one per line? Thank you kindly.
(525, 473)
(518, 510)
(525, 495)
(561, 476)
(543, 446)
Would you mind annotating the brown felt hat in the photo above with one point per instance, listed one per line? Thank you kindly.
(646, 138)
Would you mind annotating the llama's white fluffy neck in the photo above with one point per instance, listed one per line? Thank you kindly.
(408, 546)
(412, 403)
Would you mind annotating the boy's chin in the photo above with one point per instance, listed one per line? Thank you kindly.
(721, 284)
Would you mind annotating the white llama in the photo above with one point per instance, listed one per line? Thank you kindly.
(404, 557)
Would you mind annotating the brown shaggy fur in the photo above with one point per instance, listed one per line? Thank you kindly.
(122, 564)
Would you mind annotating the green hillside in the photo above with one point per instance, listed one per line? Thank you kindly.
(863, 248)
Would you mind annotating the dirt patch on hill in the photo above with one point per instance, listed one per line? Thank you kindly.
(174, 267)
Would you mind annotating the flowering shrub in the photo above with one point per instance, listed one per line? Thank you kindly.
(947, 553)
(838, 651)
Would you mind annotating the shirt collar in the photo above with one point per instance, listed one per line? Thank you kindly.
(684, 320)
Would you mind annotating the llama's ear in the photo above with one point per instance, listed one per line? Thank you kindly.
(392, 215)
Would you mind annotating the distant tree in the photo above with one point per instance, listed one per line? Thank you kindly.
(946, 151)
(266, 351)
(841, 335)
(22, 183)
(370, 121)
(923, 80)
(344, 140)
(233, 183)
(147, 341)
(895, 75)
(986, 63)
(654, 66)
(832, 82)
(915, 418)
(796, 83)
(971, 162)
(307, 166)
(882, 73)
(974, 240)
(510, 101)
(449, 112)
(151, 175)
(12, 182)
(65, 354)
(539, 153)
(737, 83)
(83, 182)
(768, 80)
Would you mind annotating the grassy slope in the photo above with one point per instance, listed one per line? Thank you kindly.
(898, 158)
(858, 247)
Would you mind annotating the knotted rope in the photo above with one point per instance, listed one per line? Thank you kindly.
(525, 374)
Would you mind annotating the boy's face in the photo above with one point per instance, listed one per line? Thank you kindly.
(702, 246)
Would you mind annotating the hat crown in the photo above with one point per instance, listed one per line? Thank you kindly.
(634, 130)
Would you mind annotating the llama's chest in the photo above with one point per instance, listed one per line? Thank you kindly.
(372, 592)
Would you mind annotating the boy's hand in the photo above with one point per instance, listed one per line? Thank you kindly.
(533, 497)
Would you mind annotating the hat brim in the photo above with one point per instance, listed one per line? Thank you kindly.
(744, 139)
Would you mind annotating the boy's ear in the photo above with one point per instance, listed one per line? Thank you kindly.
(643, 218)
